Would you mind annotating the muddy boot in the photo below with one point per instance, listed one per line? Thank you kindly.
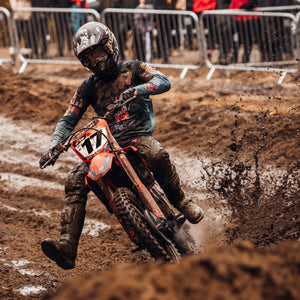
(64, 251)
(175, 194)
(191, 211)
(61, 252)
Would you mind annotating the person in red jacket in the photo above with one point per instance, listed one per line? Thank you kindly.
(79, 3)
(198, 7)
(245, 36)
(243, 4)
(201, 5)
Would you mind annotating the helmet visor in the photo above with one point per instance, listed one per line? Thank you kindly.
(94, 56)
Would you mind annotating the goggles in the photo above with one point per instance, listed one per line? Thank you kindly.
(94, 56)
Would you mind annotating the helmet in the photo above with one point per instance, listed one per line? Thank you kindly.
(97, 49)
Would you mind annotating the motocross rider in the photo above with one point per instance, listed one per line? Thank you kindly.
(97, 49)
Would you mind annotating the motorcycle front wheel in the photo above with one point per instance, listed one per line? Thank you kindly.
(138, 229)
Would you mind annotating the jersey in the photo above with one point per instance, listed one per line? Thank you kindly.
(135, 119)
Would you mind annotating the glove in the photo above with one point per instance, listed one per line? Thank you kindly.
(127, 95)
(51, 154)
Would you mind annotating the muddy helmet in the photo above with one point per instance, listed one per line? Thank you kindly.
(90, 37)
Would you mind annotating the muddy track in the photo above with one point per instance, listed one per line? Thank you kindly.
(235, 144)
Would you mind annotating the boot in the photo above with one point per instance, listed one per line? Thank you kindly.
(61, 252)
(64, 251)
(175, 194)
(191, 211)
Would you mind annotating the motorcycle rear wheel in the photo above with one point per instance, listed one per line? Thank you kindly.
(139, 230)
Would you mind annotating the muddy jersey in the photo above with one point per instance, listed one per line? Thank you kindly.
(134, 120)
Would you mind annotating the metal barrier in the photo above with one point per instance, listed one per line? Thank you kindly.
(167, 39)
(297, 34)
(287, 8)
(46, 37)
(239, 39)
(7, 41)
(294, 28)
(255, 41)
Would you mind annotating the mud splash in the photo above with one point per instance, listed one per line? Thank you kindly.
(212, 229)
(254, 190)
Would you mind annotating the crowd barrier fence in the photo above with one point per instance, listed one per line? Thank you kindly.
(263, 40)
(253, 41)
(287, 8)
(7, 39)
(166, 38)
(46, 36)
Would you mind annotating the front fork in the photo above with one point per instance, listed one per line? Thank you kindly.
(143, 192)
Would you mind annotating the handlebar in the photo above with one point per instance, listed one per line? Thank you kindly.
(116, 107)
(65, 144)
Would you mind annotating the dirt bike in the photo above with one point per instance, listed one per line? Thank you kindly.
(120, 178)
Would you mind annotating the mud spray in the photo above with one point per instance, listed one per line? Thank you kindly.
(257, 193)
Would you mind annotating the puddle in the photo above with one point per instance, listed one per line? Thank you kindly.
(93, 227)
(28, 290)
(27, 145)
(20, 263)
(29, 272)
(17, 182)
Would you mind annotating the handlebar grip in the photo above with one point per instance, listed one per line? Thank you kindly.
(56, 151)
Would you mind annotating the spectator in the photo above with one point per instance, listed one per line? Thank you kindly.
(41, 25)
(268, 3)
(188, 23)
(128, 3)
(179, 25)
(143, 26)
(245, 22)
(164, 28)
(76, 17)
(114, 4)
(25, 27)
(120, 24)
(61, 26)
(278, 36)
(201, 5)
(198, 7)
(164, 4)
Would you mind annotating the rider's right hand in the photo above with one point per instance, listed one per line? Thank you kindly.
(49, 157)
(129, 93)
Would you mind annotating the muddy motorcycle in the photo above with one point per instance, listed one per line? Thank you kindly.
(120, 178)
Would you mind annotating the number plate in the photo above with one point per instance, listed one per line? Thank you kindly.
(91, 142)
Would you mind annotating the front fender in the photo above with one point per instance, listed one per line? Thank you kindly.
(100, 165)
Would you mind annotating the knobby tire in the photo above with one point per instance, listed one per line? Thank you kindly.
(133, 221)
